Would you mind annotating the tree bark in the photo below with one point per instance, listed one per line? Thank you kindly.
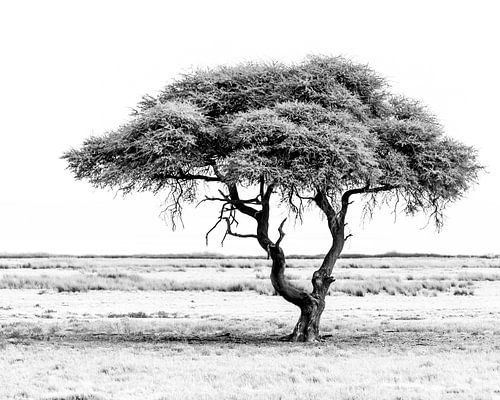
(311, 304)
(307, 327)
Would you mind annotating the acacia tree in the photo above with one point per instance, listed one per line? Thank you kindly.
(314, 133)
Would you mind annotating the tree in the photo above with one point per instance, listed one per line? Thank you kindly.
(315, 133)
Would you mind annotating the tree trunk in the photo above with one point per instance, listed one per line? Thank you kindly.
(307, 327)
(311, 304)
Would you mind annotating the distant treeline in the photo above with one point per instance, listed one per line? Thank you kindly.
(208, 255)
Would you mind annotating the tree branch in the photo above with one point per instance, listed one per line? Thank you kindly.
(221, 216)
(348, 193)
(201, 177)
(366, 189)
(227, 199)
(236, 201)
(230, 220)
(282, 234)
(261, 186)
(268, 193)
(303, 197)
(230, 232)
(186, 176)
(322, 202)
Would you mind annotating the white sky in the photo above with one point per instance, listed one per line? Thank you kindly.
(71, 69)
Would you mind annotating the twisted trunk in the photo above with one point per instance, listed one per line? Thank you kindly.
(312, 304)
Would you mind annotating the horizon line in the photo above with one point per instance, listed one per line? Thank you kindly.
(215, 255)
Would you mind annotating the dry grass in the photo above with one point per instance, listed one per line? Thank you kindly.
(86, 282)
(159, 263)
(351, 285)
(140, 339)
(75, 397)
(239, 277)
(265, 371)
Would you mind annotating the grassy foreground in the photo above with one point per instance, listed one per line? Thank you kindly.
(127, 341)
(265, 370)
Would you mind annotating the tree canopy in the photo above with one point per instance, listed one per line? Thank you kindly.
(323, 123)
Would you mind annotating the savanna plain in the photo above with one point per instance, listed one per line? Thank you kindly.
(162, 328)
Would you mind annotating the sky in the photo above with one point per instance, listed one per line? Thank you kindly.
(69, 70)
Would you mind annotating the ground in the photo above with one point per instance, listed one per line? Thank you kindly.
(145, 329)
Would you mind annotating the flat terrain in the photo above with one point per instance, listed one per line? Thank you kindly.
(394, 328)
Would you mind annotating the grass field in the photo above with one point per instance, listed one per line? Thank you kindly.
(414, 328)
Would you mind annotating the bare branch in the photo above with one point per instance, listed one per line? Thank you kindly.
(322, 202)
(229, 210)
(188, 176)
(221, 216)
(303, 197)
(228, 200)
(201, 177)
(347, 194)
(268, 193)
(261, 186)
(230, 232)
(366, 189)
(174, 209)
(211, 229)
(281, 232)
(235, 198)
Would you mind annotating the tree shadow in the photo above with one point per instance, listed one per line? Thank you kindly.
(344, 340)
